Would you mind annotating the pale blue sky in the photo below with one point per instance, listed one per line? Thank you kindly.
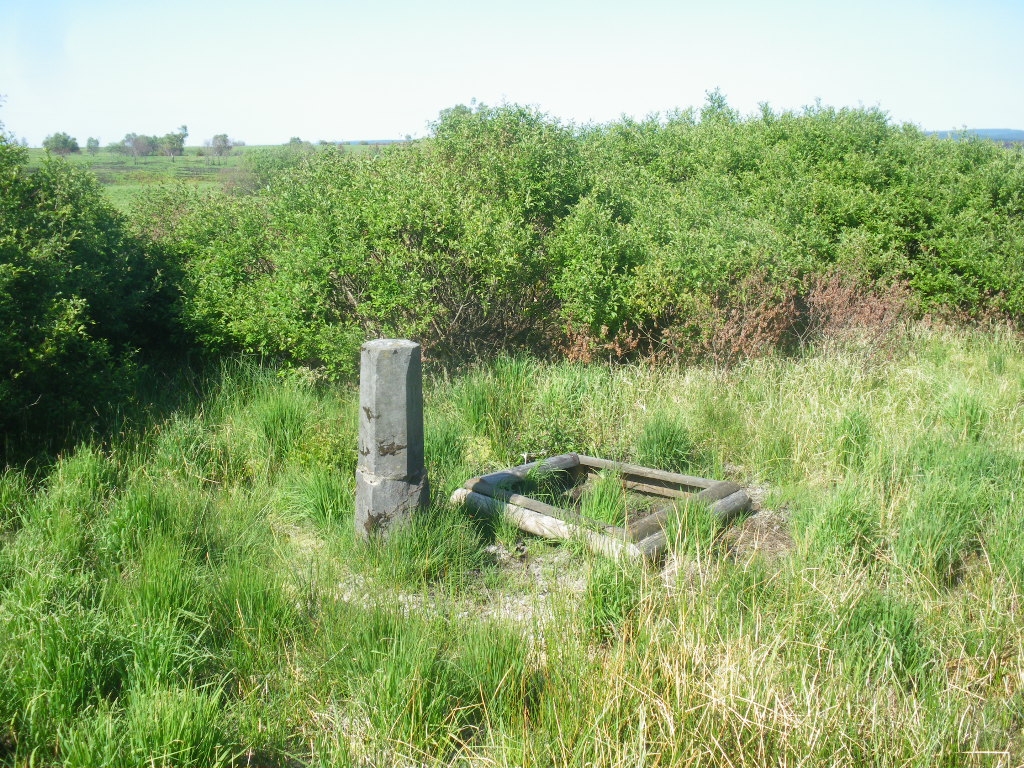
(263, 72)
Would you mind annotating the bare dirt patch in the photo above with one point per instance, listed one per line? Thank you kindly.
(766, 533)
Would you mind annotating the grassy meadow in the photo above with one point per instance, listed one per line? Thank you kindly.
(189, 592)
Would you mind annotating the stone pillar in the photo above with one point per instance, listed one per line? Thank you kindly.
(391, 478)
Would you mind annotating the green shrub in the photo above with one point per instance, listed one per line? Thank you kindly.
(508, 230)
(343, 246)
(78, 294)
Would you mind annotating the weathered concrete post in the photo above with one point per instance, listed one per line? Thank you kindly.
(391, 479)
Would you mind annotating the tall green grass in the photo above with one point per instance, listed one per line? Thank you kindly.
(196, 596)
(605, 500)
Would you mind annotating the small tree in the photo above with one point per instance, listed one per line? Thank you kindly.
(221, 145)
(92, 145)
(61, 144)
(173, 144)
(138, 145)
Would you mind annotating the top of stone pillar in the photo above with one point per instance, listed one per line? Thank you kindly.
(391, 409)
(384, 344)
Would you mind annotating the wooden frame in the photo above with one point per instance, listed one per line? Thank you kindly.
(643, 535)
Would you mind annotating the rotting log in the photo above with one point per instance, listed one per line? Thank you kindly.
(484, 488)
(653, 523)
(546, 526)
(650, 489)
(659, 476)
(506, 478)
(654, 545)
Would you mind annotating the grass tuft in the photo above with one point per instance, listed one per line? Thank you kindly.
(879, 638)
(967, 415)
(852, 439)
(939, 529)
(665, 443)
(612, 597)
(438, 546)
(842, 526)
(15, 496)
(605, 500)
(692, 529)
(176, 726)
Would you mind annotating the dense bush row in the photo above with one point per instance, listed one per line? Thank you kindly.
(703, 233)
(700, 231)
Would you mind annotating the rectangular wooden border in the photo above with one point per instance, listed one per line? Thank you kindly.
(497, 493)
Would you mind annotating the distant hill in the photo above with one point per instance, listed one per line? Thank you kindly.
(994, 134)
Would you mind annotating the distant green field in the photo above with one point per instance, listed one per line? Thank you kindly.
(106, 162)
(124, 177)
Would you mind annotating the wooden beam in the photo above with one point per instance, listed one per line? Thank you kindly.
(483, 487)
(657, 475)
(544, 525)
(656, 490)
(724, 509)
(509, 477)
(641, 529)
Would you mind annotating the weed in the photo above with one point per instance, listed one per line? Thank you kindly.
(281, 418)
(14, 496)
(852, 439)
(436, 546)
(324, 496)
(743, 592)
(493, 401)
(445, 447)
(967, 415)
(179, 726)
(842, 526)
(939, 529)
